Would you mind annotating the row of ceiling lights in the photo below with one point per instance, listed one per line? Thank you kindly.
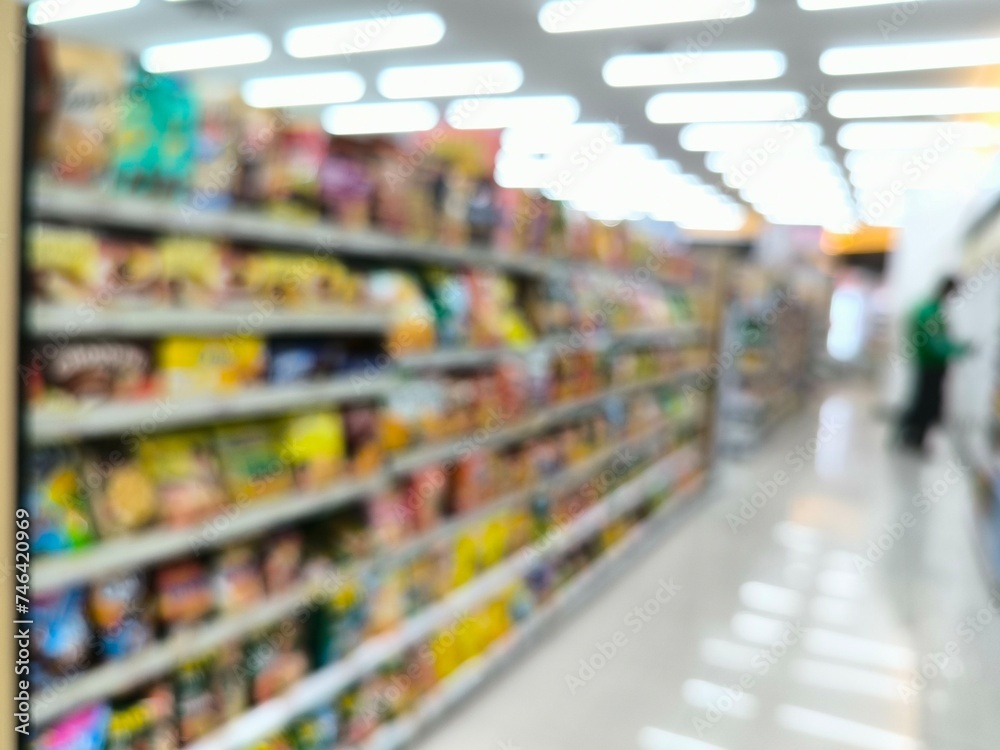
(804, 163)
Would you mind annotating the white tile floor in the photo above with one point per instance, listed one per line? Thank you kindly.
(778, 638)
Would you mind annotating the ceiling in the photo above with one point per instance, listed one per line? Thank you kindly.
(571, 63)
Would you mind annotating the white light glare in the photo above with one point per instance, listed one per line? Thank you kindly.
(841, 731)
(295, 91)
(506, 112)
(726, 106)
(540, 138)
(49, 11)
(561, 17)
(682, 68)
(867, 103)
(241, 49)
(891, 58)
(738, 136)
(365, 35)
(836, 4)
(869, 136)
(462, 79)
(387, 117)
(652, 738)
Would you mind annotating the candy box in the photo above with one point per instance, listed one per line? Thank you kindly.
(196, 366)
(119, 609)
(62, 639)
(277, 660)
(183, 593)
(238, 579)
(98, 371)
(195, 701)
(123, 496)
(66, 266)
(194, 270)
(362, 429)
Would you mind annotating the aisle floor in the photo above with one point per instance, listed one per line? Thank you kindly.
(850, 610)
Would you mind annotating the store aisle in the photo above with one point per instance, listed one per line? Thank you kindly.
(848, 610)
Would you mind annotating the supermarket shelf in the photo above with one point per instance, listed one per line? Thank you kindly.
(320, 687)
(555, 415)
(89, 208)
(676, 336)
(475, 672)
(53, 425)
(65, 321)
(117, 677)
(55, 572)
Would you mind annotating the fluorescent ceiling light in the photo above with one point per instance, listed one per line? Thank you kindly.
(495, 113)
(726, 106)
(294, 91)
(710, 136)
(462, 79)
(870, 136)
(383, 117)
(836, 4)
(652, 738)
(890, 58)
(757, 628)
(841, 731)
(727, 655)
(683, 68)
(564, 16)
(50, 11)
(540, 138)
(365, 35)
(224, 51)
(913, 102)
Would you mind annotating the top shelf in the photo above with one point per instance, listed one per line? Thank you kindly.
(90, 207)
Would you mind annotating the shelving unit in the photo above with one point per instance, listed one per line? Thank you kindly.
(322, 686)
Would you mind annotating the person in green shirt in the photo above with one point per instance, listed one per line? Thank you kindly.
(933, 349)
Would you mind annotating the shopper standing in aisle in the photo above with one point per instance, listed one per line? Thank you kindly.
(933, 349)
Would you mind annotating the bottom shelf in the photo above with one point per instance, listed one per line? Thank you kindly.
(480, 669)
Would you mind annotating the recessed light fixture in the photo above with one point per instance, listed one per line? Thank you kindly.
(736, 136)
(837, 4)
(871, 136)
(296, 91)
(495, 113)
(678, 68)
(914, 102)
(365, 35)
(890, 58)
(46, 11)
(219, 52)
(381, 117)
(461, 79)
(726, 106)
(565, 16)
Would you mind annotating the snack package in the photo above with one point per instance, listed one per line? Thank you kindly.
(78, 148)
(413, 325)
(183, 593)
(239, 582)
(387, 519)
(193, 366)
(56, 501)
(98, 370)
(251, 463)
(194, 271)
(186, 474)
(136, 277)
(317, 731)
(120, 611)
(276, 660)
(195, 702)
(144, 722)
(313, 445)
(282, 561)
(362, 429)
(301, 360)
(66, 266)
(122, 495)
(338, 626)
(62, 637)
(425, 496)
(231, 683)
(86, 729)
